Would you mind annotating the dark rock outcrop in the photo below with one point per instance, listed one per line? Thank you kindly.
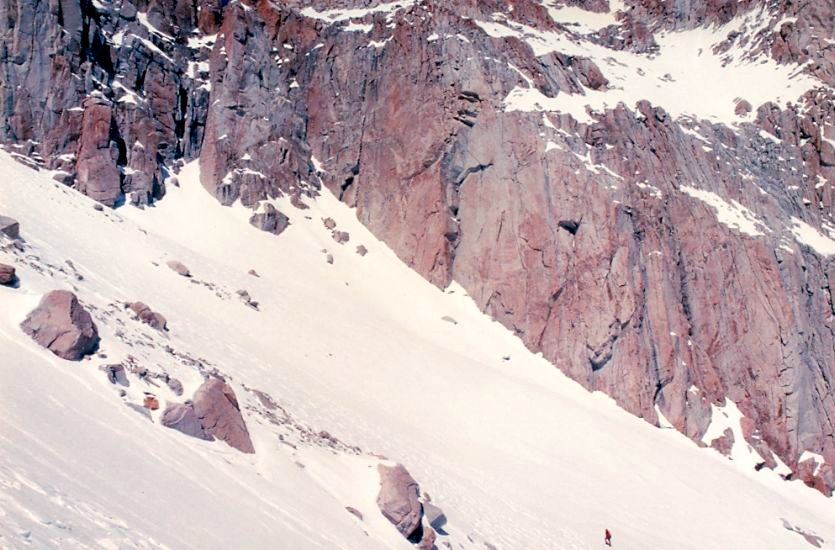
(62, 325)
(98, 153)
(268, 218)
(108, 99)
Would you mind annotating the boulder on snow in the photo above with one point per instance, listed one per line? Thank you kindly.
(329, 223)
(62, 325)
(427, 541)
(181, 417)
(341, 237)
(398, 500)
(9, 227)
(179, 267)
(361, 250)
(217, 408)
(150, 402)
(434, 515)
(355, 512)
(247, 299)
(269, 219)
(742, 107)
(7, 275)
(148, 316)
(116, 374)
(174, 385)
(724, 443)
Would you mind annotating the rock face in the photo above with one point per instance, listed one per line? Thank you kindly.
(148, 316)
(98, 153)
(669, 259)
(62, 325)
(398, 500)
(9, 227)
(216, 406)
(103, 93)
(7, 274)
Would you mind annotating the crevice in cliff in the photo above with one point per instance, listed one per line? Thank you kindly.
(459, 181)
(180, 119)
(572, 226)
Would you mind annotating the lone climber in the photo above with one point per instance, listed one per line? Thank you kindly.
(607, 538)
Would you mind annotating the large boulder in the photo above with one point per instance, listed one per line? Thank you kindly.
(62, 325)
(398, 500)
(7, 275)
(9, 227)
(217, 408)
(181, 417)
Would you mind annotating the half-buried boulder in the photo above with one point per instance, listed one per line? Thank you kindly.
(217, 408)
(148, 316)
(398, 501)
(181, 417)
(62, 325)
(9, 227)
(116, 374)
(179, 267)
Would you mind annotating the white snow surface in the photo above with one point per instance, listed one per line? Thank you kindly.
(729, 213)
(515, 453)
(728, 417)
(581, 20)
(808, 235)
(346, 14)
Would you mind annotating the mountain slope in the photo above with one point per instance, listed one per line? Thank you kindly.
(516, 454)
(641, 191)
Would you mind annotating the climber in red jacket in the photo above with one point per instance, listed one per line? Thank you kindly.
(607, 538)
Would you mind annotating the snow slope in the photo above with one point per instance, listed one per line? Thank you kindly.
(686, 61)
(515, 453)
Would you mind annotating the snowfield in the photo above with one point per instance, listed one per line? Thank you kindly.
(517, 455)
(686, 60)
